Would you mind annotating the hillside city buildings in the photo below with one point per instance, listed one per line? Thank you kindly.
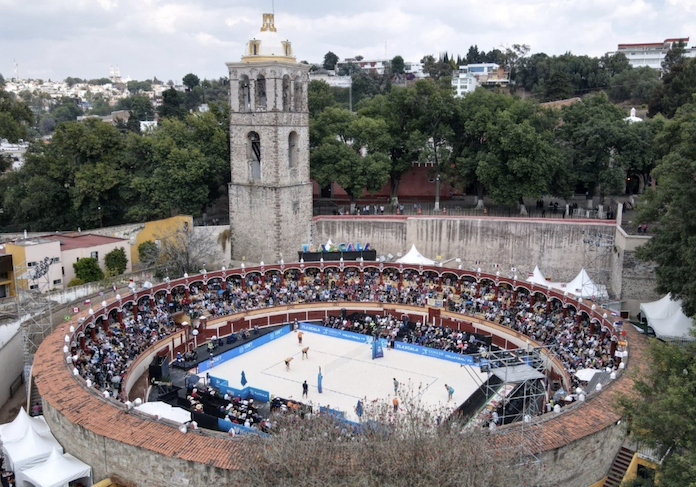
(652, 54)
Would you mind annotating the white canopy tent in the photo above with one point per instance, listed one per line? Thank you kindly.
(666, 318)
(57, 471)
(18, 427)
(165, 411)
(586, 375)
(29, 451)
(415, 257)
(582, 285)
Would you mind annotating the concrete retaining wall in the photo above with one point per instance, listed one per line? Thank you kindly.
(10, 358)
(555, 245)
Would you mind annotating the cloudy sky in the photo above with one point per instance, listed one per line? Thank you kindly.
(169, 38)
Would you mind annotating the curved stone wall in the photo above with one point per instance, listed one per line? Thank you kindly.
(577, 446)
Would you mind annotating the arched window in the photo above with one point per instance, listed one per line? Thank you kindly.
(298, 94)
(254, 154)
(244, 94)
(292, 149)
(286, 93)
(260, 92)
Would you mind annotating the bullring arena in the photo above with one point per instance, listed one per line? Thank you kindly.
(578, 444)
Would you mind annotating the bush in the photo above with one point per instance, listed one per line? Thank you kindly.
(75, 281)
(88, 270)
(116, 261)
(148, 253)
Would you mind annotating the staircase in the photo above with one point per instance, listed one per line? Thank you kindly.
(619, 467)
(33, 396)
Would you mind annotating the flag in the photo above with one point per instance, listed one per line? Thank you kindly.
(101, 293)
(87, 302)
(530, 274)
(513, 269)
(563, 285)
(478, 262)
(614, 313)
(244, 379)
(113, 288)
(496, 266)
(76, 309)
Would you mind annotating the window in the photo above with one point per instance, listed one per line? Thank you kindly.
(260, 92)
(34, 286)
(63, 270)
(254, 154)
(298, 94)
(32, 264)
(292, 149)
(244, 94)
(286, 93)
(57, 281)
(94, 255)
(55, 260)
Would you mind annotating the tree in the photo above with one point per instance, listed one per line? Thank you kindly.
(116, 261)
(2, 80)
(397, 65)
(148, 253)
(190, 81)
(674, 57)
(172, 104)
(320, 97)
(321, 449)
(100, 106)
(658, 412)
(398, 109)
(670, 203)
(15, 117)
(637, 84)
(136, 87)
(139, 105)
(185, 249)
(591, 134)
(434, 111)
(678, 88)
(330, 60)
(350, 150)
(87, 269)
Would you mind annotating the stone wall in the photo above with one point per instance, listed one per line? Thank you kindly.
(10, 358)
(582, 462)
(632, 279)
(131, 463)
(556, 246)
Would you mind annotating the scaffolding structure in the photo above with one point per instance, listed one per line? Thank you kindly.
(515, 391)
(34, 309)
(597, 249)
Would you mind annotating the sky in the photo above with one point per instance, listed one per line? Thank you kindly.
(53, 39)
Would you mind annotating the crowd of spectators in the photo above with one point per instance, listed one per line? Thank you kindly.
(108, 356)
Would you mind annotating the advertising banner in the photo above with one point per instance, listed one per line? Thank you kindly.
(242, 349)
(439, 354)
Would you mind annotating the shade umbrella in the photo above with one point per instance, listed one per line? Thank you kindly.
(244, 380)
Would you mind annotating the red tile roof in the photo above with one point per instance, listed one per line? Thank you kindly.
(73, 240)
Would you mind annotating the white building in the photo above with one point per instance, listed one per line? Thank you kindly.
(463, 82)
(652, 54)
(336, 81)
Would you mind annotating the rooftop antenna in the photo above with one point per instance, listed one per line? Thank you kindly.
(273, 7)
(16, 70)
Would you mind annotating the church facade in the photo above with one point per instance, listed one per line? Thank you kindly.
(270, 192)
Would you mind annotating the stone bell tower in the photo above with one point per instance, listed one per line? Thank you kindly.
(270, 193)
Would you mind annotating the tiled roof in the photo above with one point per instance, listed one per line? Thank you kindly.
(70, 241)
(63, 392)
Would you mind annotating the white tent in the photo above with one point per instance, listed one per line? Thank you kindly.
(585, 287)
(18, 427)
(586, 375)
(415, 257)
(165, 411)
(57, 471)
(538, 278)
(666, 318)
(582, 285)
(29, 451)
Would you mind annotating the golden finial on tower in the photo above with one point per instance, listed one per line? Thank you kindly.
(268, 23)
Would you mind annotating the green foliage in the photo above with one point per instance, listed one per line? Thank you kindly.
(66, 110)
(136, 87)
(659, 413)
(351, 150)
(88, 270)
(330, 60)
(436, 69)
(398, 65)
(678, 88)
(320, 97)
(190, 81)
(592, 133)
(671, 204)
(72, 81)
(172, 104)
(635, 84)
(100, 106)
(139, 105)
(148, 253)
(15, 116)
(116, 261)
(75, 281)
(100, 81)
